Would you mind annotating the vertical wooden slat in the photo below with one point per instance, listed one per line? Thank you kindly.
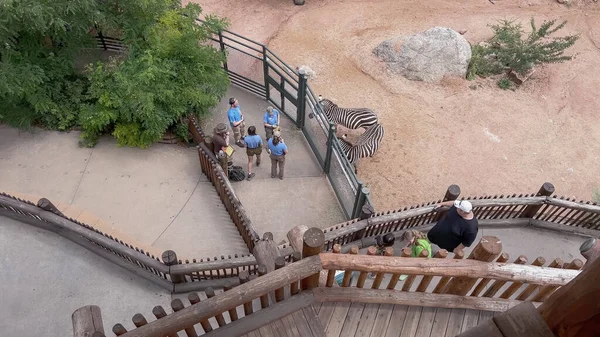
(540, 261)
(439, 288)
(522, 259)
(348, 272)
(485, 281)
(280, 292)
(177, 305)
(362, 277)
(406, 252)
(294, 288)
(244, 278)
(524, 295)
(194, 298)
(411, 278)
(424, 284)
(545, 291)
(331, 274)
(210, 293)
(389, 251)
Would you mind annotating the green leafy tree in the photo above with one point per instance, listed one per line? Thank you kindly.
(510, 50)
(38, 42)
(166, 74)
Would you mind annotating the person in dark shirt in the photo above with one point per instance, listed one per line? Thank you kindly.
(458, 229)
(220, 138)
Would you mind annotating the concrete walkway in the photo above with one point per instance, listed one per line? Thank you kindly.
(45, 278)
(156, 199)
(304, 197)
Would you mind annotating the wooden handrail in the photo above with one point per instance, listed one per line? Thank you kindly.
(331, 232)
(454, 268)
(189, 268)
(573, 205)
(230, 299)
(63, 224)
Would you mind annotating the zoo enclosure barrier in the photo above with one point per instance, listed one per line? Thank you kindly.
(171, 273)
(431, 282)
(253, 67)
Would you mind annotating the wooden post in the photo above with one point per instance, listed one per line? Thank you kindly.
(452, 193)
(590, 249)
(264, 299)
(244, 278)
(439, 288)
(313, 242)
(139, 320)
(530, 211)
(544, 292)
(233, 316)
(366, 212)
(331, 273)
(47, 205)
(170, 259)
(265, 252)
(210, 293)
(279, 292)
(177, 305)
(488, 249)
(406, 252)
(524, 295)
(389, 251)
(574, 309)
(119, 329)
(485, 281)
(194, 298)
(223, 162)
(87, 320)
(540, 261)
(159, 312)
(348, 272)
(411, 278)
(294, 288)
(498, 284)
(295, 236)
(441, 254)
(362, 277)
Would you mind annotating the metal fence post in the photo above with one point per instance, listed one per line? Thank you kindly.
(301, 108)
(359, 200)
(222, 44)
(329, 152)
(266, 73)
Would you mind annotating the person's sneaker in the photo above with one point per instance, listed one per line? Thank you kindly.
(250, 176)
(257, 164)
(268, 151)
(272, 176)
(240, 143)
(280, 178)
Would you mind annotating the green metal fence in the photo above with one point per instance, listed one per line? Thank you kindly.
(253, 67)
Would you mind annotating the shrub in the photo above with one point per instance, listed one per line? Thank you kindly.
(509, 50)
(505, 83)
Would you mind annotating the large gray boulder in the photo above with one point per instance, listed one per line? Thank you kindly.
(427, 56)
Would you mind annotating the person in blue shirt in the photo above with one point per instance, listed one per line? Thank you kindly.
(253, 147)
(271, 121)
(278, 152)
(236, 120)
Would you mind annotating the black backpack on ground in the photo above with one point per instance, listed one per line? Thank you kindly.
(236, 173)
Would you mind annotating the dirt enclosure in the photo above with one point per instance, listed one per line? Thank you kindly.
(470, 133)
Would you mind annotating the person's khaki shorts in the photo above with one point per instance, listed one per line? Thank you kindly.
(251, 152)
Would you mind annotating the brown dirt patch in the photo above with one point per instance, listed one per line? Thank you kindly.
(469, 133)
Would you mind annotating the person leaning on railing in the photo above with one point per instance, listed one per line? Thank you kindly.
(458, 229)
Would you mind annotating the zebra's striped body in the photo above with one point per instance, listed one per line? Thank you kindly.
(352, 118)
(366, 146)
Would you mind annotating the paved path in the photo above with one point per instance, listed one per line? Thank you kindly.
(45, 278)
(304, 197)
(156, 198)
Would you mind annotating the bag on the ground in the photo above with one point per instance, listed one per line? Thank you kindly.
(236, 173)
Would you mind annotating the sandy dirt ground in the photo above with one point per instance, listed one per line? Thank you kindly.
(470, 133)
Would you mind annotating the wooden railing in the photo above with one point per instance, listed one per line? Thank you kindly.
(538, 210)
(435, 282)
(214, 172)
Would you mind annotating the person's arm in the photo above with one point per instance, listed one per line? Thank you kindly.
(285, 150)
(277, 118)
(266, 119)
(460, 247)
(448, 203)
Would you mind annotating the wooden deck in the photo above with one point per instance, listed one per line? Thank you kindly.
(333, 319)
(302, 323)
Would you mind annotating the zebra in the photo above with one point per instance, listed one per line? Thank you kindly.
(366, 145)
(352, 118)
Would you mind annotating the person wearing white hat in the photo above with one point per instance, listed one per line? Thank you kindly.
(458, 229)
